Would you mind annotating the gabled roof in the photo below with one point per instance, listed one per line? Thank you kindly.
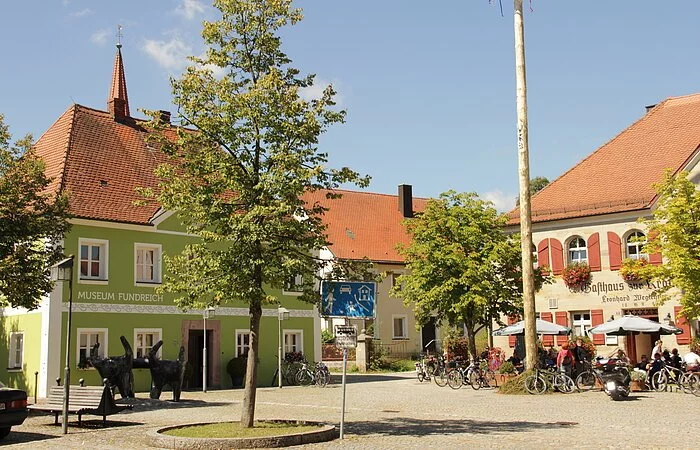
(619, 176)
(365, 224)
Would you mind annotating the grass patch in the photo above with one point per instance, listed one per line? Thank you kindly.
(516, 385)
(234, 430)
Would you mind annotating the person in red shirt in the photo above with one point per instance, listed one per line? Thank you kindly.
(565, 359)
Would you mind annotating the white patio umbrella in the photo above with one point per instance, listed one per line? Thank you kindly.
(543, 327)
(627, 324)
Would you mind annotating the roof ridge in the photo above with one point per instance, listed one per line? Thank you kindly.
(373, 193)
(69, 141)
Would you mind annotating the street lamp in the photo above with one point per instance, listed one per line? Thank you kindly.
(207, 314)
(282, 314)
(63, 271)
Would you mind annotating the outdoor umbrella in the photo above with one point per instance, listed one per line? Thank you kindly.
(543, 327)
(626, 324)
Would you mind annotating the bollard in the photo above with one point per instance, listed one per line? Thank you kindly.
(58, 381)
(36, 383)
(81, 382)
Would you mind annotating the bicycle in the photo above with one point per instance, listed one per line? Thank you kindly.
(586, 380)
(319, 375)
(425, 369)
(538, 382)
(289, 372)
(668, 375)
(481, 377)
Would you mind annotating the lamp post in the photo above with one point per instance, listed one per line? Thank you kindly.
(208, 314)
(63, 271)
(282, 314)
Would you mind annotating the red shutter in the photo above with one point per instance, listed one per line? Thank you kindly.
(543, 253)
(562, 318)
(511, 339)
(682, 323)
(614, 250)
(594, 252)
(557, 256)
(654, 258)
(547, 339)
(597, 319)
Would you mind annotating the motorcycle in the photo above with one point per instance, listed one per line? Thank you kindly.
(615, 376)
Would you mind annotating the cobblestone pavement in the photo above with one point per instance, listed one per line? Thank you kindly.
(396, 411)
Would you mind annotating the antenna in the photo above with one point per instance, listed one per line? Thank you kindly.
(119, 36)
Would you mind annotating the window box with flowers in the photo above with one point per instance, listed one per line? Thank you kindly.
(577, 276)
(635, 271)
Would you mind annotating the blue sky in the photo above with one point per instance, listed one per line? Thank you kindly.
(429, 86)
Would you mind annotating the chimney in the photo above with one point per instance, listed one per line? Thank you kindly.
(406, 200)
(164, 116)
(650, 107)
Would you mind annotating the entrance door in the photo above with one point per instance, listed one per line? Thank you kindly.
(195, 358)
(638, 344)
(428, 336)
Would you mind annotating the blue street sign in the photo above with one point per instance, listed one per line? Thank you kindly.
(353, 299)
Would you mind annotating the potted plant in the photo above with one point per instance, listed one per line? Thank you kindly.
(236, 369)
(506, 371)
(635, 271)
(577, 276)
(639, 379)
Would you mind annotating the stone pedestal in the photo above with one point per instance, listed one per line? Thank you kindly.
(362, 350)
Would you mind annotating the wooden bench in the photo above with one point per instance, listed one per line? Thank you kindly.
(93, 400)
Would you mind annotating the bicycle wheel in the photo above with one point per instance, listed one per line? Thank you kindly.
(659, 381)
(694, 383)
(490, 378)
(323, 377)
(535, 385)
(585, 381)
(440, 377)
(563, 383)
(476, 380)
(304, 377)
(454, 379)
(420, 375)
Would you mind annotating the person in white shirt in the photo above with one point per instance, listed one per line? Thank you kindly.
(657, 348)
(692, 360)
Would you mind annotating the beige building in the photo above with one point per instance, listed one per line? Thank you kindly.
(591, 214)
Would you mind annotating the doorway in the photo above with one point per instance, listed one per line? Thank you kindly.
(195, 352)
(638, 344)
(428, 335)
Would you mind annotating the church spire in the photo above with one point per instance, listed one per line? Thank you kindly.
(118, 100)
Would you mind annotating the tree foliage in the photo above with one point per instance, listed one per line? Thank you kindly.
(536, 185)
(674, 231)
(462, 267)
(238, 180)
(32, 222)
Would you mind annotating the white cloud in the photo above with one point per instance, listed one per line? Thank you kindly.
(315, 91)
(81, 13)
(189, 9)
(99, 37)
(170, 54)
(65, 2)
(502, 201)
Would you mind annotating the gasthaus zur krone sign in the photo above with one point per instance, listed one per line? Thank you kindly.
(352, 299)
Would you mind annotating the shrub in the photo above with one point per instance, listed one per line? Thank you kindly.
(694, 345)
(506, 367)
(577, 276)
(638, 375)
(635, 271)
(588, 346)
(402, 365)
(327, 337)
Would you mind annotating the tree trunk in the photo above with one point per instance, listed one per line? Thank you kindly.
(251, 376)
(524, 181)
(471, 339)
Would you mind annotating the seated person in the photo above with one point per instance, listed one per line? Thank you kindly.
(642, 365)
(692, 360)
(622, 357)
(676, 360)
(655, 365)
(517, 363)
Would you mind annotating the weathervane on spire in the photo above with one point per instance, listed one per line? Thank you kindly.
(119, 36)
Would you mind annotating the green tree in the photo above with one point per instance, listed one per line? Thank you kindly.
(674, 231)
(239, 180)
(461, 266)
(32, 222)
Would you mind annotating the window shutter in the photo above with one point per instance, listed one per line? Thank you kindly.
(547, 339)
(614, 250)
(557, 256)
(654, 258)
(543, 253)
(511, 339)
(562, 318)
(594, 252)
(597, 319)
(682, 323)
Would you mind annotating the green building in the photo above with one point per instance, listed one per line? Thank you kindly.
(100, 158)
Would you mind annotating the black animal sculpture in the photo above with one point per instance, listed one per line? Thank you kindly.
(166, 372)
(117, 369)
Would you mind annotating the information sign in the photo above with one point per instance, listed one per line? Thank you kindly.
(345, 336)
(353, 299)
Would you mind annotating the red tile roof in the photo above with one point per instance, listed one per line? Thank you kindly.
(364, 224)
(618, 177)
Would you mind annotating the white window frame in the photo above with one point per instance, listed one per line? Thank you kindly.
(299, 345)
(157, 264)
(639, 245)
(578, 248)
(13, 365)
(157, 336)
(103, 350)
(238, 346)
(290, 288)
(404, 326)
(586, 324)
(104, 261)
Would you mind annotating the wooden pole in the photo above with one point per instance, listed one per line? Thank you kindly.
(524, 182)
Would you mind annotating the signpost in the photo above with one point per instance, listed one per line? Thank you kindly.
(345, 338)
(351, 299)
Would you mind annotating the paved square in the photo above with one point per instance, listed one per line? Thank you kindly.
(396, 411)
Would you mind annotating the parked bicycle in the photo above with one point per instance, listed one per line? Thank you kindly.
(317, 374)
(586, 380)
(476, 374)
(669, 376)
(543, 379)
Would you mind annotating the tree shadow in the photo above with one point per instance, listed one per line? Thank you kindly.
(24, 437)
(408, 426)
(149, 404)
(337, 378)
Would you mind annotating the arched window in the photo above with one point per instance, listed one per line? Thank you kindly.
(577, 250)
(634, 243)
